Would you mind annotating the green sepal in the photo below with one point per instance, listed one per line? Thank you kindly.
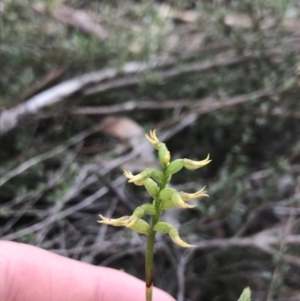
(166, 193)
(141, 226)
(136, 215)
(163, 155)
(157, 175)
(164, 227)
(166, 198)
(149, 209)
(174, 167)
(139, 212)
(178, 202)
(151, 187)
(171, 199)
(167, 204)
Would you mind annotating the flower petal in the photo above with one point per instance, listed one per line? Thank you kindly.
(190, 164)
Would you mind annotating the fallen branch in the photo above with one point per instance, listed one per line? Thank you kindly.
(219, 61)
(53, 74)
(10, 118)
(201, 105)
(138, 105)
(209, 105)
(260, 240)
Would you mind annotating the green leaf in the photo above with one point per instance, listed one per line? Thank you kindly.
(246, 295)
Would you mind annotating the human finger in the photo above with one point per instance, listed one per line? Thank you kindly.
(28, 273)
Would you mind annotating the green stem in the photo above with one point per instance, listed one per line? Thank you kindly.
(150, 248)
(149, 265)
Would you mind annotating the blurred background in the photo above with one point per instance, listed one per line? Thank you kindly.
(82, 81)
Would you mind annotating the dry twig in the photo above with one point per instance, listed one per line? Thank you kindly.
(47, 155)
(184, 260)
(67, 212)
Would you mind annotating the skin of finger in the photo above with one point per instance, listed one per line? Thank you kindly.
(28, 273)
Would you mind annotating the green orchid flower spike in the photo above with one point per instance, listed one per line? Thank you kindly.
(164, 198)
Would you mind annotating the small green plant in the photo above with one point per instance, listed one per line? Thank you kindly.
(164, 198)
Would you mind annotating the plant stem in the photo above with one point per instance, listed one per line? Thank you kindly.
(149, 265)
(150, 246)
(150, 254)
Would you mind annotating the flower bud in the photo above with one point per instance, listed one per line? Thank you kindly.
(164, 155)
(166, 198)
(174, 167)
(151, 187)
(140, 226)
(190, 164)
(167, 158)
(164, 227)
